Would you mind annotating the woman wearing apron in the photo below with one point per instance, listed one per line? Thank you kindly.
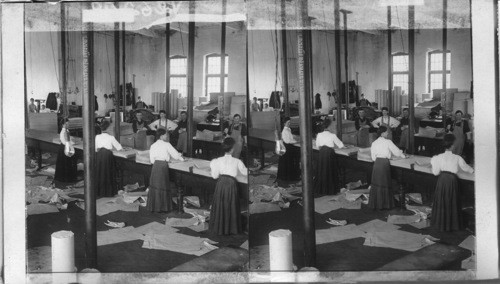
(66, 168)
(225, 214)
(404, 130)
(381, 194)
(387, 121)
(163, 123)
(446, 207)
(237, 131)
(363, 126)
(459, 128)
(161, 152)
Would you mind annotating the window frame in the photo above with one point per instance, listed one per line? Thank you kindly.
(431, 72)
(407, 72)
(207, 75)
(177, 75)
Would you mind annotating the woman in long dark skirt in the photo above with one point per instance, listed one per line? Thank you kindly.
(446, 208)
(326, 181)
(289, 163)
(381, 194)
(66, 164)
(161, 152)
(105, 171)
(225, 215)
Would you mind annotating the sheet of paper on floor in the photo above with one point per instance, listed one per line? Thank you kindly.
(469, 243)
(422, 224)
(177, 243)
(262, 192)
(263, 207)
(120, 235)
(337, 234)
(469, 263)
(201, 227)
(40, 208)
(244, 245)
(154, 228)
(324, 204)
(179, 222)
(352, 195)
(398, 240)
(403, 219)
(377, 225)
(107, 205)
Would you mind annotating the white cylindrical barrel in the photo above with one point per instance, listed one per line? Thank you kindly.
(280, 250)
(63, 251)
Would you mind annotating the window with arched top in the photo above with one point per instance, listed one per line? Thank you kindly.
(213, 73)
(178, 74)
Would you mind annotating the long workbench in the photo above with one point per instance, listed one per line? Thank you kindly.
(191, 173)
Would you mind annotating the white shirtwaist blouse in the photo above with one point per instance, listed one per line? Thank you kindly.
(287, 136)
(227, 165)
(449, 162)
(107, 141)
(167, 123)
(385, 148)
(328, 139)
(163, 151)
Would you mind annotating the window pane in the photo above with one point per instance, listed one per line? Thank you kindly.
(437, 61)
(214, 65)
(401, 80)
(178, 66)
(437, 81)
(180, 84)
(400, 63)
(213, 85)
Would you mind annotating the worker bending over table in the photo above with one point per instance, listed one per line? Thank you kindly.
(105, 171)
(289, 163)
(381, 194)
(160, 154)
(388, 121)
(225, 214)
(326, 180)
(446, 208)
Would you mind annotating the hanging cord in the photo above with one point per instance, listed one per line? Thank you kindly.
(54, 61)
(327, 46)
(182, 40)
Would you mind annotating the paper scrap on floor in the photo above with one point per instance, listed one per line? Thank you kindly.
(179, 222)
(201, 214)
(244, 245)
(154, 228)
(403, 219)
(131, 187)
(201, 227)
(193, 200)
(336, 234)
(107, 205)
(49, 170)
(422, 224)
(398, 240)
(469, 263)
(114, 236)
(415, 197)
(40, 208)
(353, 185)
(469, 243)
(177, 243)
(46, 156)
(263, 207)
(377, 225)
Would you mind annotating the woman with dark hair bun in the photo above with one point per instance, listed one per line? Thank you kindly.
(66, 164)
(326, 179)
(104, 171)
(446, 208)
(289, 163)
(381, 194)
(160, 154)
(225, 215)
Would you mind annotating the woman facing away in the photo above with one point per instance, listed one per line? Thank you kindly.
(105, 171)
(381, 194)
(225, 214)
(446, 207)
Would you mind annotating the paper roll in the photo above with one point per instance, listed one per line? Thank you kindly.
(280, 250)
(63, 251)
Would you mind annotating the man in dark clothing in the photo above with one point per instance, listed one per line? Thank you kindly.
(140, 124)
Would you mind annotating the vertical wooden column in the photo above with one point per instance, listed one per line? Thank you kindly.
(346, 63)
(305, 125)
(223, 62)
(190, 79)
(497, 92)
(445, 48)
(284, 62)
(89, 144)
(389, 55)
(338, 68)
(117, 80)
(64, 66)
(167, 70)
(124, 90)
(411, 77)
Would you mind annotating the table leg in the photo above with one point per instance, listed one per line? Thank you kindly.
(262, 156)
(39, 152)
(180, 199)
(402, 197)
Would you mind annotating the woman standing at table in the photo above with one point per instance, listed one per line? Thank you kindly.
(381, 195)
(289, 163)
(225, 215)
(159, 196)
(326, 181)
(238, 131)
(388, 121)
(460, 129)
(66, 168)
(104, 171)
(446, 208)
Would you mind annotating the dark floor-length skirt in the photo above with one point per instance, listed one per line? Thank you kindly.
(225, 215)
(159, 195)
(446, 208)
(105, 173)
(326, 180)
(289, 163)
(65, 166)
(381, 195)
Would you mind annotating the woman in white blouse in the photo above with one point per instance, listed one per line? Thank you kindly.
(289, 163)
(381, 194)
(446, 208)
(326, 180)
(161, 152)
(66, 169)
(225, 215)
(105, 173)
(387, 121)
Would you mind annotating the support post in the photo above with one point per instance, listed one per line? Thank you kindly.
(389, 55)
(411, 77)
(124, 90)
(305, 137)
(223, 62)
(167, 70)
(190, 80)
(346, 63)
(445, 48)
(117, 80)
(64, 69)
(284, 62)
(89, 144)
(338, 68)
